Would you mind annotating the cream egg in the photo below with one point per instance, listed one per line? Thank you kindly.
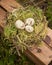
(19, 24)
(29, 28)
(30, 21)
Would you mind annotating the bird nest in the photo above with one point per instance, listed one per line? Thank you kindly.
(26, 36)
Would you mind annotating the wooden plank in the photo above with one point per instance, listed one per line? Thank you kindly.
(9, 5)
(50, 33)
(2, 14)
(48, 38)
(42, 58)
(2, 17)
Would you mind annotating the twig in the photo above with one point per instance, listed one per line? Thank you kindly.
(37, 3)
(21, 41)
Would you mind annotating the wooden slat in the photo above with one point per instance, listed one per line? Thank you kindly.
(42, 58)
(50, 33)
(48, 38)
(2, 17)
(9, 5)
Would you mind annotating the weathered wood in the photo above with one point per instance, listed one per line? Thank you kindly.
(9, 5)
(2, 14)
(40, 58)
(48, 38)
(2, 19)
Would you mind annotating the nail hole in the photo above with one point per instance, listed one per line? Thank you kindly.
(39, 50)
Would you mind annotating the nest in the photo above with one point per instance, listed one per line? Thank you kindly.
(22, 38)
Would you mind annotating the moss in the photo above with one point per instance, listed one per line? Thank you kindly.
(22, 37)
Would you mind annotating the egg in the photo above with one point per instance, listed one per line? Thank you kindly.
(19, 24)
(30, 21)
(29, 28)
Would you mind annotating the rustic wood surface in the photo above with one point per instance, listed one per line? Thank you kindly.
(48, 38)
(44, 57)
(9, 5)
(40, 58)
(2, 19)
(2, 14)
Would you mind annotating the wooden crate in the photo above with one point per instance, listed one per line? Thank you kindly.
(41, 55)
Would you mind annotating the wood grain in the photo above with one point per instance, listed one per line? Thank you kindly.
(9, 5)
(42, 58)
(2, 17)
(48, 38)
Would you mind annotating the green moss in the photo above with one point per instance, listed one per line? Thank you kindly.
(22, 37)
